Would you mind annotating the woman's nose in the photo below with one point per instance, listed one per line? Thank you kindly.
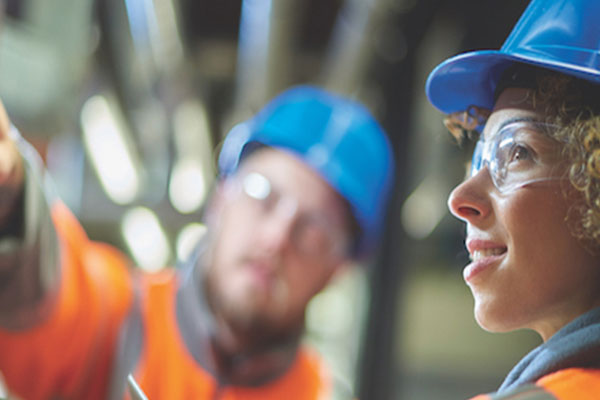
(469, 201)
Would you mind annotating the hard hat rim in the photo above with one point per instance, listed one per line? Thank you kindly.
(470, 78)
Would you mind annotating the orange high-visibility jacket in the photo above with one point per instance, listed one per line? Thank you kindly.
(565, 367)
(566, 384)
(72, 353)
(69, 308)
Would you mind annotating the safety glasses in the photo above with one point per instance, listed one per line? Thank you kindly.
(313, 233)
(519, 154)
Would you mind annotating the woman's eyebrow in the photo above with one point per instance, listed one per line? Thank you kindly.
(515, 120)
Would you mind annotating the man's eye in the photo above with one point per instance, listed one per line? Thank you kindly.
(268, 203)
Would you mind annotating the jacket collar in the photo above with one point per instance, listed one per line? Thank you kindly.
(577, 344)
(197, 326)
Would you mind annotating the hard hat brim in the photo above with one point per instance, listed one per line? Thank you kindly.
(471, 78)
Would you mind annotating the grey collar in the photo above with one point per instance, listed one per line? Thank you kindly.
(577, 344)
(196, 324)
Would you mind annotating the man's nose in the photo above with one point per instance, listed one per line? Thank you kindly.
(276, 230)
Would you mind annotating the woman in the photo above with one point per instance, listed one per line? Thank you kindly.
(531, 202)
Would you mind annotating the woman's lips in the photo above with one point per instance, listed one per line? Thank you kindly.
(484, 254)
(476, 267)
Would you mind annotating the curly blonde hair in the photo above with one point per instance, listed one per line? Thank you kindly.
(574, 106)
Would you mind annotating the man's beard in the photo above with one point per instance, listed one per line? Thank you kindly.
(247, 320)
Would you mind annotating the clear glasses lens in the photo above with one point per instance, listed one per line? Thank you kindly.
(511, 156)
(312, 234)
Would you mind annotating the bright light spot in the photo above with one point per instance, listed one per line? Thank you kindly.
(192, 132)
(188, 238)
(192, 172)
(424, 209)
(169, 51)
(145, 238)
(187, 187)
(107, 146)
(257, 186)
(3, 393)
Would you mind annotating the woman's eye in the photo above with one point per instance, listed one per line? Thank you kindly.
(520, 153)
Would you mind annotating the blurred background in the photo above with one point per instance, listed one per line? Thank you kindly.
(128, 100)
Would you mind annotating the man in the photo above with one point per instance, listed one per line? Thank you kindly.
(530, 202)
(302, 194)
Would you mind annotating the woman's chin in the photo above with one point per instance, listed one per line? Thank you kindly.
(493, 321)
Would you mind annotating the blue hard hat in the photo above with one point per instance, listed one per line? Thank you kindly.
(560, 35)
(337, 137)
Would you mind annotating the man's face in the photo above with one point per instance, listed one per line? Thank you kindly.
(278, 234)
